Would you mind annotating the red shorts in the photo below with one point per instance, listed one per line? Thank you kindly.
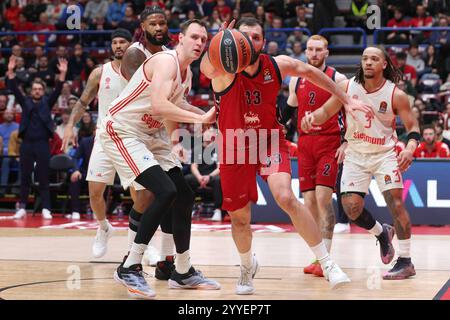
(238, 181)
(317, 164)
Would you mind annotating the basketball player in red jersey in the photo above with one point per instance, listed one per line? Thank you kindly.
(371, 152)
(247, 105)
(318, 150)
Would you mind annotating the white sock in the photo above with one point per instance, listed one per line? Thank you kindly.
(327, 244)
(404, 248)
(135, 255)
(103, 224)
(183, 262)
(321, 252)
(167, 245)
(247, 259)
(377, 229)
(131, 237)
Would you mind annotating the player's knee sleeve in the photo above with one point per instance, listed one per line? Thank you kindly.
(365, 220)
(134, 220)
(157, 181)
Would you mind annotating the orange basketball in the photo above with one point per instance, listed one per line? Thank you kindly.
(230, 50)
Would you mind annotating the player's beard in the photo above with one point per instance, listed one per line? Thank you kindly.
(369, 76)
(255, 56)
(118, 57)
(317, 63)
(165, 40)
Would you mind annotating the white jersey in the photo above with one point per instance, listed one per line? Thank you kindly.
(109, 88)
(377, 134)
(147, 53)
(132, 109)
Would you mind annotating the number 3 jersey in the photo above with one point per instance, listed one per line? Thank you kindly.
(250, 102)
(372, 134)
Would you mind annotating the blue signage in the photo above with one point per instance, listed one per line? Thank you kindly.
(426, 194)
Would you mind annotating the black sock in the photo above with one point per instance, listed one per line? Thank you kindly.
(365, 220)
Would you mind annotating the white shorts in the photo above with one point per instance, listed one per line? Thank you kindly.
(101, 168)
(359, 168)
(132, 155)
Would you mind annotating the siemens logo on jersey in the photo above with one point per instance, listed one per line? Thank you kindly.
(151, 123)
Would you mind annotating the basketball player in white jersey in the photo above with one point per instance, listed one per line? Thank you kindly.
(153, 99)
(371, 152)
(151, 38)
(104, 81)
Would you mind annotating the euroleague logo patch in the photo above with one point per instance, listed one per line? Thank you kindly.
(387, 179)
(383, 107)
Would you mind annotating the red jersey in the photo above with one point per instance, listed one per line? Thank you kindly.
(440, 150)
(310, 98)
(250, 102)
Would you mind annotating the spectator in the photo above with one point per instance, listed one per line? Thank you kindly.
(3, 102)
(78, 176)
(296, 36)
(87, 127)
(430, 147)
(297, 52)
(33, 10)
(95, 9)
(415, 60)
(261, 15)
(61, 53)
(90, 65)
(44, 25)
(324, 13)
(214, 22)
(357, 17)
(130, 22)
(272, 49)
(172, 20)
(5, 26)
(65, 115)
(409, 72)
(43, 72)
(441, 37)
(36, 128)
(12, 12)
(205, 172)
(446, 122)
(77, 62)
(34, 61)
(55, 10)
(300, 20)
(224, 10)
(116, 12)
(246, 7)
(66, 94)
(431, 60)
(397, 37)
(23, 25)
(402, 86)
(421, 20)
(6, 128)
(55, 143)
(99, 24)
(22, 74)
(439, 128)
(279, 37)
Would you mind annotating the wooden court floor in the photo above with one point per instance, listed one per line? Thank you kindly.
(56, 264)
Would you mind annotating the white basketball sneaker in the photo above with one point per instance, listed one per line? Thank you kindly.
(100, 245)
(334, 274)
(46, 214)
(20, 214)
(245, 283)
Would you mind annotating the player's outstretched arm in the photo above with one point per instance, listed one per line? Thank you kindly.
(79, 109)
(403, 110)
(131, 61)
(321, 115)
(162, 84)
(296, 68)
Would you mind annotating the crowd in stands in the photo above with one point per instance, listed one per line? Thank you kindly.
(422, 56)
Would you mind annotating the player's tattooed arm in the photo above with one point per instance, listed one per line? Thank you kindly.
(79, 109)
(131, 61)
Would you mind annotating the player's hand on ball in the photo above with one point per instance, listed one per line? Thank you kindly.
(357, 105)
(405, 159)
(227, 25)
